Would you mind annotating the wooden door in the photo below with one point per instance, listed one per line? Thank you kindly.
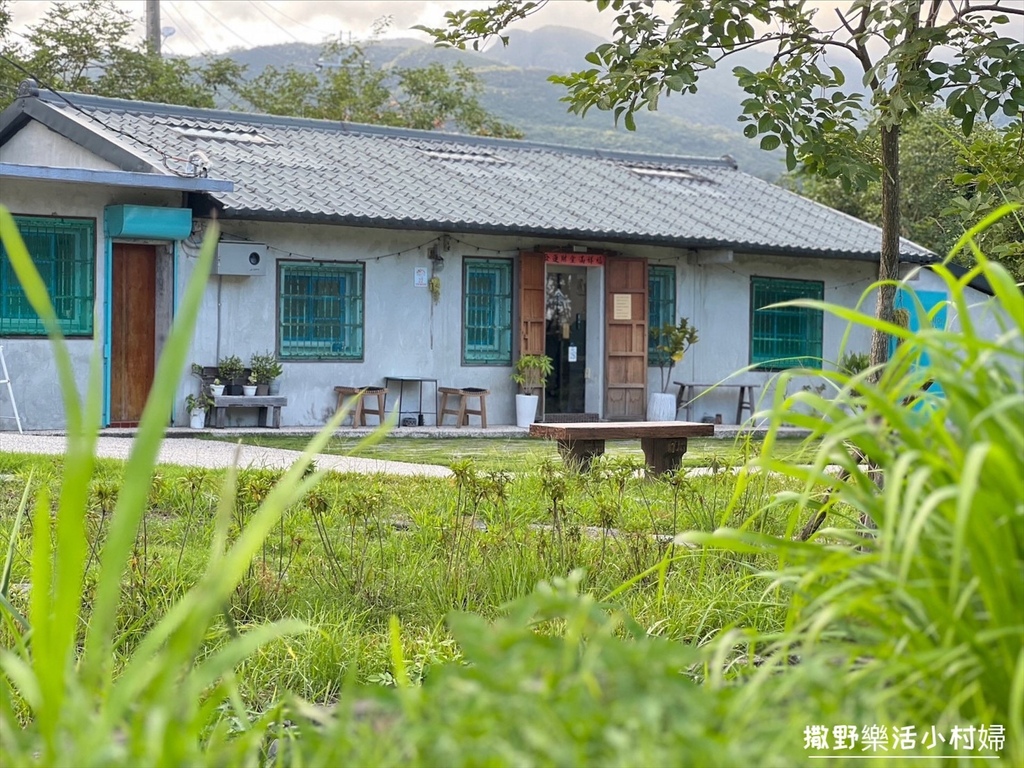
(531, 303)
(132, 331)
(625, 338)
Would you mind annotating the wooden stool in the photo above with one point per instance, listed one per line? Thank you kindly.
(363, 404)
(462, 411)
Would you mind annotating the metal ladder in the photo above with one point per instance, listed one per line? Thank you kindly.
(10, 392)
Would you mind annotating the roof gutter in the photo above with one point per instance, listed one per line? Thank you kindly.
(114, 178)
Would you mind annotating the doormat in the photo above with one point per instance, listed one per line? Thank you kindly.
(561, 418)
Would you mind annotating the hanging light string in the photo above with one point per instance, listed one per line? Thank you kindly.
(306, 257)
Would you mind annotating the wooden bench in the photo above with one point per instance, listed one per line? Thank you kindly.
(460, 408)
(265, 403)
(744, 402)
(663, 442)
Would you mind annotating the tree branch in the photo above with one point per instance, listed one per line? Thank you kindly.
(995, 7)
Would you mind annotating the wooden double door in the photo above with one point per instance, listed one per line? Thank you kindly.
(625, 328)
(132, 333)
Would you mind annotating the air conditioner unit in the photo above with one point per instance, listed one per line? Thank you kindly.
(240, 258)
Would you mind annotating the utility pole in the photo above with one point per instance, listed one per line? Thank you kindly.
(153, 36)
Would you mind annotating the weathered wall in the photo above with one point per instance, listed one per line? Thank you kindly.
(30, 360)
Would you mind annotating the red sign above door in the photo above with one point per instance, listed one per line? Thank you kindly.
(575, 259)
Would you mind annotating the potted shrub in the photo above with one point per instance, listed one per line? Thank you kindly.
(231, 369)
(197, 406)
(671, 343)
(531, 373)
(249, 388)
(216, 389)
(266, 370)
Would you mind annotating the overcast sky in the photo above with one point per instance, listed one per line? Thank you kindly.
(218, 25)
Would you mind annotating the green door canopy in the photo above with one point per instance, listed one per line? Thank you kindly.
(148, 222)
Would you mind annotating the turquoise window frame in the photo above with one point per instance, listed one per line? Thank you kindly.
(487, 311)
(785, 337)
(64, 252)
(661, 305)
(320, 310)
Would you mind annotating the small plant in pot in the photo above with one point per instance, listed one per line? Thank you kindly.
(249, 388)
(671, 343)
(266, 369)
(216, 388)
(197, 406)
(531, 373)
(231, 369)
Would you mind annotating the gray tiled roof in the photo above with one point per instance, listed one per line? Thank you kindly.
(313, 170)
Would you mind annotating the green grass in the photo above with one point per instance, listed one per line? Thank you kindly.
(521, 454)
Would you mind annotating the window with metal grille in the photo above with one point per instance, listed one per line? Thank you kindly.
(784, 337)
(320, 311)
(64, 252)
(661, 306)
(487, 312)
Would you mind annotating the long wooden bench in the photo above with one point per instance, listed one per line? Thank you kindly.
(663, 442)
(266, 403)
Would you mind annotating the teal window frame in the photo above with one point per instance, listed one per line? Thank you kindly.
(320, 310)
(785, 337)
(661, 305)
(487, 311)
(63, 250)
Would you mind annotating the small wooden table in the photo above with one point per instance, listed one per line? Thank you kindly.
(744, 402)
(264, 402)
(663, 442)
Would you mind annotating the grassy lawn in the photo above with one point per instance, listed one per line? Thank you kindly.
(520, 454)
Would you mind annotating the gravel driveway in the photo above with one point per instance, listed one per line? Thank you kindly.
(215, 454)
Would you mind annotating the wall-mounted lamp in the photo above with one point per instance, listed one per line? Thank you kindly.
(436, 259)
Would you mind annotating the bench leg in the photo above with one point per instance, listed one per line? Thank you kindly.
(579, 453)
(262, 420)
(663, 454)
(277, 416)
(218, 417)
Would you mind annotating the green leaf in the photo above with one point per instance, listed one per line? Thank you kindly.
(750, 130)
(629, 122)
(770, 142)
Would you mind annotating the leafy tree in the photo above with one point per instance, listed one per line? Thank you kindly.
(85, 47)
(352, 88)
(948, 185)
(911, 53)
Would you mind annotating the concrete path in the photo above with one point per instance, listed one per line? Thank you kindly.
(215, 454)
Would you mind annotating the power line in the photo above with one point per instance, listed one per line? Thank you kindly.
(163, 155)
(294, 21)
(195, 34)
(264, 14)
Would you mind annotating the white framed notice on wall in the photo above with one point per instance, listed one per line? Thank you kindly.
(622, 306)
(419, 277)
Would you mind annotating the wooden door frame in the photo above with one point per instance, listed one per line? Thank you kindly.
(108, 296)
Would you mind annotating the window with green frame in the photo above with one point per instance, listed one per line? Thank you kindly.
(64, 252)
(487, 312)
(320, 311)
(784, 337)
(661, 305)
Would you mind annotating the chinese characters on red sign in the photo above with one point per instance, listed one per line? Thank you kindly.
(576, 259)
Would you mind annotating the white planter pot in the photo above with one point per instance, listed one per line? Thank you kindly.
(526, 409)
(661, 406)
(197, 418)
(216, 390)
(248, 390)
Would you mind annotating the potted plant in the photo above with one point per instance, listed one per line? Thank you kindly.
(230, 369)
(531, 373)
(671, 343)
(197, 406)
(216, 389)
(249, 388)
(266, 369)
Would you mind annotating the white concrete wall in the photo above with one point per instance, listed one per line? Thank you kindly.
(35, 144)
(30, 359)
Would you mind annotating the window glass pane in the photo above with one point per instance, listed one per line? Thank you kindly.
(64, 252)
(320, 311)
(661, 290)
(785, 337)
(487, 312)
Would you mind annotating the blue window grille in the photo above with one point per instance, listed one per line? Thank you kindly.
(64, 252)
(661, 305)
(320, 311)
(487, 312)
(785, 337)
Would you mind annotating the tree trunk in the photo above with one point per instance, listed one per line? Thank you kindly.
(889, 263)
